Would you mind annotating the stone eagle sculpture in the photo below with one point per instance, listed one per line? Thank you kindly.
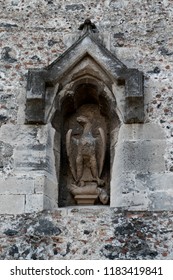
(86, 157)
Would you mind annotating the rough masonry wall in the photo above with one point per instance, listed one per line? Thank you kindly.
(33, 34)
(87, 234)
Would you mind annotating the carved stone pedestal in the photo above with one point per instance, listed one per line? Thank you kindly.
(86, 199)
(85, 195)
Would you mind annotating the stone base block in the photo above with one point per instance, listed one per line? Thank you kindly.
(86, 199)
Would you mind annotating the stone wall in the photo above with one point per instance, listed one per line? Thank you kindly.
(87, 234)
(33, 34)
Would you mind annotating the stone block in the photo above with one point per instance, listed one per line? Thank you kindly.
(155, 182)
(122, 184)
(49, 203)
(12, 204)
(161, 201)
(35, 103)
(23, 135)
(124, 193)
(140, 157)
(31, 159)
(134, 101)
(151, 192)
(136, 132)
(34, 203)
(14, 185)
(39, 184)
(46, 186)
(51, 188)
(139, 167)
(35, 151)
(132, 201)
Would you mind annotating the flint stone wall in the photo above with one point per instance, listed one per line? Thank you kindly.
(35, 34)
(87, 234)
(32, 36)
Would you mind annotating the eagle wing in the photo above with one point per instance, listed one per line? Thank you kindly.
(69, 153)
(102, 149)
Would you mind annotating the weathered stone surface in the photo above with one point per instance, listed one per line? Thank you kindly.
(6, 55)
(87, 233)
(75, 7)
(12, 204)
(141, 156)
(11, 232)
(143, 191)
(136, 132)
(137, 32)
(134, 105)
(49, 187)
(139, 168)
(16, 185)
(34, 203)
(46, 227)
(160, 200)
(31, 152)
(150, 181)
(13, 251)
(6, 152)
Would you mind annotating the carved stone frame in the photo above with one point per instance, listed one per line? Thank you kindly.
(87, 61)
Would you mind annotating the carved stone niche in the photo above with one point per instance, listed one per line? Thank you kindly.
(88, 116)
(86, 94)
